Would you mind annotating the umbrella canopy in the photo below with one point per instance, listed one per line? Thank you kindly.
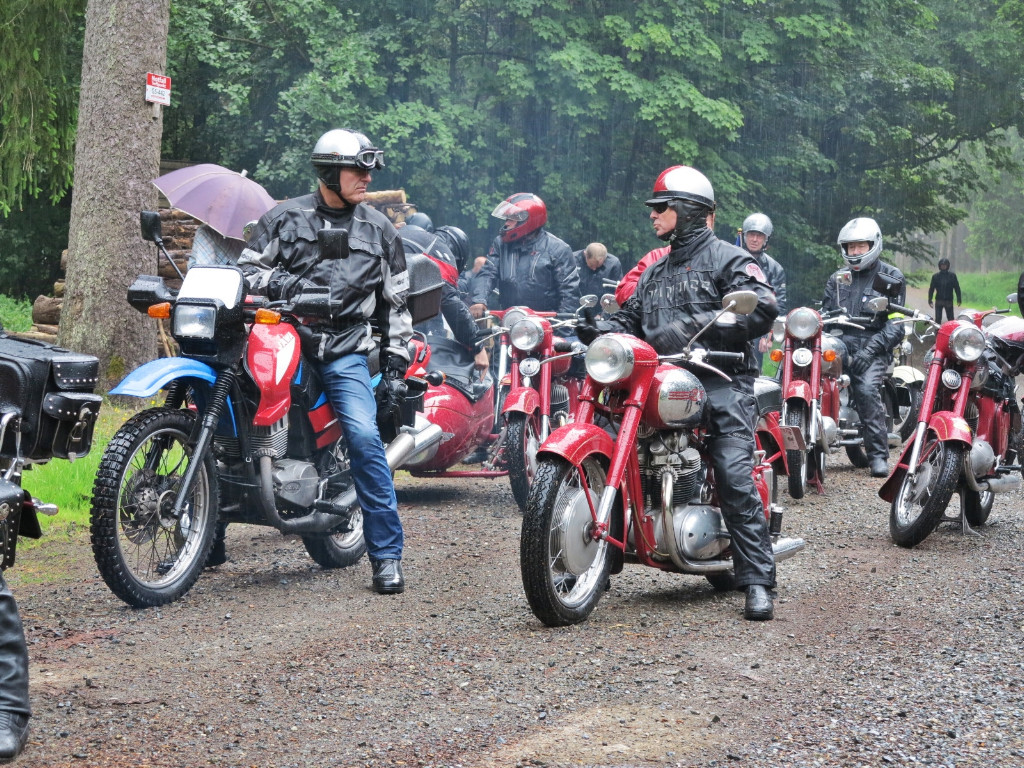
(224, 199)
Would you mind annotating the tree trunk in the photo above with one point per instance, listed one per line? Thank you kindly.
(117, 154)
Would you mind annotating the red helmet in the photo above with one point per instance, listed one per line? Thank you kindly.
(681, 182)
(523, 213)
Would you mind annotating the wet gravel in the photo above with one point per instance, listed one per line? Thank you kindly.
(878, 655)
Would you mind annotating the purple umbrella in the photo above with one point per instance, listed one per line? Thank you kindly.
(218, 196)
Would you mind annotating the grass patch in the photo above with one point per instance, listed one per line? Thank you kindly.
(979, 291)
(15, 314)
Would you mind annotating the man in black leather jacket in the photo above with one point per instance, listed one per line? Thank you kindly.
(870, 350)
(675, 297)
(530, 266)
(370, 283)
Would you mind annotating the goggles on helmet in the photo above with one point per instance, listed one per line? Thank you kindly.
(368, 159)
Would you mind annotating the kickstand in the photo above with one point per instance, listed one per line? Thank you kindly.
(965, 527)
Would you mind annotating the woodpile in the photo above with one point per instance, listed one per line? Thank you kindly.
(178, 231)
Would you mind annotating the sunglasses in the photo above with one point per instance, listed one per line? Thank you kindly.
(659, 208)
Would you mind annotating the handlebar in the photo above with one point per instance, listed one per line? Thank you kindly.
(725, 357)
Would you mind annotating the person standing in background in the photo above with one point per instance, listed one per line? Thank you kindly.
(943, 285)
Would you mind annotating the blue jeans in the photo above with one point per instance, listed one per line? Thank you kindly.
(347, 385)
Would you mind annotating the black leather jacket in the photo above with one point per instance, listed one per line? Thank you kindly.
(849, 290)
(453, 308)
(538, 272)
(679, 294)
(776, 279)
(592, 280)
(370, 285)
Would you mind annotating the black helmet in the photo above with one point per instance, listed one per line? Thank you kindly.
(943, 263)
(421, 220)
(343, 148)
(457, 243)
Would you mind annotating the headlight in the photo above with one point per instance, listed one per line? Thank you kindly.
(194, 322)
(513, 316)
(609, 360)
(802, 323)
(527, 334)
(967, 342)
(802, 356)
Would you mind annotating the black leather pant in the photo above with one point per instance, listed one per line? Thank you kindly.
(943, 305)
(13, 656)
(733, 413)
(866, 390)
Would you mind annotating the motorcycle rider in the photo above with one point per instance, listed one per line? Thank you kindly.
(596, 265)
(441, 249)
(943, 285)
(283, 256)
(678, 295)
(756, 232)
(870, 350)
(530, 266)
(627, 285)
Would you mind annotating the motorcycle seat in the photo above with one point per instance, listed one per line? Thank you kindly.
(457, 364)
(767, 395)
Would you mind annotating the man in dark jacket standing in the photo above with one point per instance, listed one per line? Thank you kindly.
(943, 285)
(675, 297)
(283, 257)
(870, 349)
(530, 266)
(596, 265)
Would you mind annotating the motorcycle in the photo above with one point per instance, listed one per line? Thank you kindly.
(47, 411)
(245, 433)
(967, 438)
(630, 477)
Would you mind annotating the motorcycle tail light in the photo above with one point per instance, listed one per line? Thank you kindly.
(967, 342)
(608, 360)
(829, 355)
(775, 355)
(527, 334)
(802, 357)
(803, 322)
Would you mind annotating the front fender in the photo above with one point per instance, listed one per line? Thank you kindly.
(574, 442)
(946, 427)
(907, 374)
(799, 390)
(150, 378)
(522, 400)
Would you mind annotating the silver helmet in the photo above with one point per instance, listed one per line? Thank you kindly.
(343, 148)
(861, 230)
(758, 222)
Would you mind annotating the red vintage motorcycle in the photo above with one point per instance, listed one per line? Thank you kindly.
(968, 434)
(629, 478)
(245, 433)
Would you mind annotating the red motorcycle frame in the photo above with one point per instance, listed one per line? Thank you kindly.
(629, 477)
(968, 434)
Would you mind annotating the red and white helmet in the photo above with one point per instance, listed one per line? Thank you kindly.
(523, 213)
(681, 182)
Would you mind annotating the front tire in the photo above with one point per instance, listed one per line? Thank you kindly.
(521, 444)
(920, 503)
(147, 556)
(564, 569)
(796, 461)
(338, 550)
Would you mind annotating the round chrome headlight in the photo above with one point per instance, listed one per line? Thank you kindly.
(608, 360)
(967, 342)
(513, 316)
(803, 322)
(802, 357)
(527, 334)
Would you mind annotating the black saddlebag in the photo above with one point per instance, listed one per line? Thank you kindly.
(424, 297)
(51, 389)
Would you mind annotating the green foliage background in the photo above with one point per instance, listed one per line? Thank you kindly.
(812, 111)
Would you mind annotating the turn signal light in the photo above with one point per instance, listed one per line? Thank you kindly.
(160, 311)
(267, 316)
(776, 356)
(828, 355)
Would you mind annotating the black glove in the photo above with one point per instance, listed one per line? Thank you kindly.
(586, 328)
(390, 395)
(860, 362)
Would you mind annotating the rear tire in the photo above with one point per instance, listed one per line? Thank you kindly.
(977, 506)
(919, 505)
(338, 550)
(796, 461)
(722, 581)
(858, 457)
(909, 424)
(521, 444)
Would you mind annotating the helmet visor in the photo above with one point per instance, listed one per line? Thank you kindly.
(510, 212)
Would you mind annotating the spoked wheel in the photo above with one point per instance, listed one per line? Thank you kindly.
(564, 569)
(977, 505)
(146, 554)
(796, 461)
(922, 500)
(521, 444)
(338, 550)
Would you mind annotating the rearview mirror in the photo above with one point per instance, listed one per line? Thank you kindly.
(590, 300)
(877, 304)
(333, 243)
(1011, 298)
(740, 302)
(608, 304)
(149, 223)
(887, 285)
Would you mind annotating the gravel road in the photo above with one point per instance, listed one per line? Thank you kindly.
(878, 655)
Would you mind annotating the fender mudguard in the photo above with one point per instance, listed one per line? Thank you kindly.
(800, 390)
(522, 400)
(946, 427)
(150, 378)
(908, 374)
(574, 442)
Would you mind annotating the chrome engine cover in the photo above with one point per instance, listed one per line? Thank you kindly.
(700, 531)
(829, 431)
(982, 458)
(295, 483)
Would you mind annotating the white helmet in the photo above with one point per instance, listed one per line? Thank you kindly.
(758, 222)
(861, 230)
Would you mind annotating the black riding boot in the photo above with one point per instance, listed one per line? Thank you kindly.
(14, 704)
